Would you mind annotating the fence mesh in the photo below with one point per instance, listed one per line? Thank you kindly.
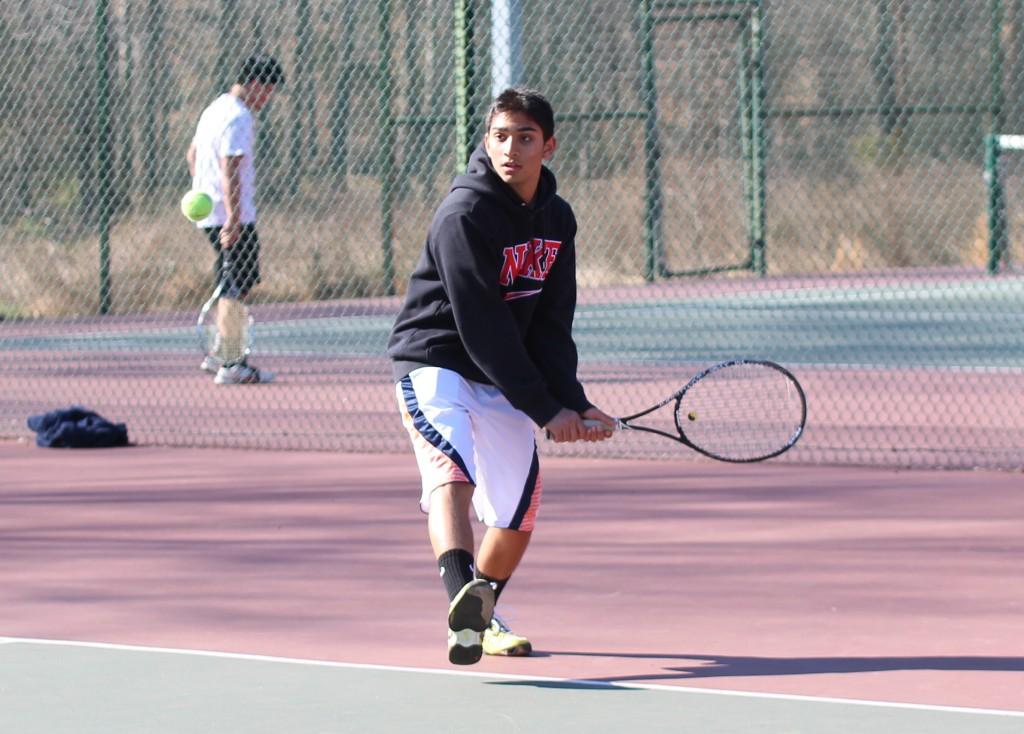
(830, 185)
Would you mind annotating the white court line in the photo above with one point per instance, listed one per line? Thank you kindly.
(508, 676)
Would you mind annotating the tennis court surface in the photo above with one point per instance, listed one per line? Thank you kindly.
(911, 371)
(184, 590)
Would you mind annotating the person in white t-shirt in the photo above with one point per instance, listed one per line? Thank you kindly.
(221, 162)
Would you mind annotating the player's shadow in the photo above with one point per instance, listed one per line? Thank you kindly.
(728, 666)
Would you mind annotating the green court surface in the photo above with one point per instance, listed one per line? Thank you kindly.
(68, 688)
(971, 324)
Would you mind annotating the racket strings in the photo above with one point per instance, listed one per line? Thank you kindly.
(227, 336)
(742, 412)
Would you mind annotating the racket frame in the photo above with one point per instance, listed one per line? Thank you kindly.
(624, 423)
(202, 327)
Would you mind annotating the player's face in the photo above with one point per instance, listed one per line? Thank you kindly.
(258, 96)
(517, 150)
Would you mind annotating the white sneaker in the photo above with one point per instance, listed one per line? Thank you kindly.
(210, 364)
(242, 374)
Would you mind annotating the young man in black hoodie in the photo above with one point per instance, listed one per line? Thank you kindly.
(483, 355)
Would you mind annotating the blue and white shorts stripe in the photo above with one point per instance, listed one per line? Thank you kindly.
(465, 431)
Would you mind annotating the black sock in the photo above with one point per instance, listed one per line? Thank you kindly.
(456, 568)
(496, 584)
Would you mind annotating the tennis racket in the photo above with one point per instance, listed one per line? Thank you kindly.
(209, 335)
(742, 410)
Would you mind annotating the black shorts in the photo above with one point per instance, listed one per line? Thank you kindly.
(238, 267)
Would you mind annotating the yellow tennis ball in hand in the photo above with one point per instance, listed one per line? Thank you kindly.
(196, 205)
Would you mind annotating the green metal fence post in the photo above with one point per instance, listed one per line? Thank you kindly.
(157, 103)
(997, 230)
(883, 62)
(103, 197)
(338, 118)
(746, 106)
(996, 61)
(652, 154)
(997, 241)
(465, 96)
(387, 147)
(997, 203)
(758, 257)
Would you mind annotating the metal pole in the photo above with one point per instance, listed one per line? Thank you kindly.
(338, 123)
(997, 229)
(997, 242)
(758, 138)
(746, 134)
(652, 153)
(884, 74)
(506, 44)
(996, 60)
(387, 148)
(464, 96)
(103, 198)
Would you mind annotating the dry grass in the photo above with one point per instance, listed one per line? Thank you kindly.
(329, 246)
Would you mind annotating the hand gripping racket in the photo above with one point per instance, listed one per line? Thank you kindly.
(742, 410)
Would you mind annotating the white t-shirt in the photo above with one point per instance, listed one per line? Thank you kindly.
(225, 128)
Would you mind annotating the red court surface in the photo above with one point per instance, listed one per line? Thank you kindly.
(835, 582)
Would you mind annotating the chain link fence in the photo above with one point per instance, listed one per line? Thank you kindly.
(836, 186)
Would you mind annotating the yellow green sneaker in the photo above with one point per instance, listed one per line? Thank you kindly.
(469, 615)
(500, 640)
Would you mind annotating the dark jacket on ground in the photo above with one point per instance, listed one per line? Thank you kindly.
(494, 292)
(76, 427)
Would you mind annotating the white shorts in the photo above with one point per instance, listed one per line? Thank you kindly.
(464, 431)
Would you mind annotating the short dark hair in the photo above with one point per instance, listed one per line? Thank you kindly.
(529, 102)
(262, 68)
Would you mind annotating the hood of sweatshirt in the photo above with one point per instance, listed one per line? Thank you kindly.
(481, 177)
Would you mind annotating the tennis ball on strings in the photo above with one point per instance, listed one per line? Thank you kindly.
(692, 415)
(196, 205)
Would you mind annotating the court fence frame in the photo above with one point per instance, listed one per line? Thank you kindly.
(791, 180)
(998, 224)
(755, 110)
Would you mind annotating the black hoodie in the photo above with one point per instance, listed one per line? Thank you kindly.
(494, 292)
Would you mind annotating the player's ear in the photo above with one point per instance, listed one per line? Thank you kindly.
(549, 147)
